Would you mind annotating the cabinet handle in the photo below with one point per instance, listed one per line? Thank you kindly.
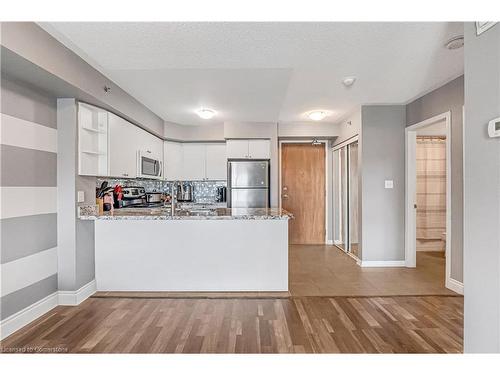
(148, 151)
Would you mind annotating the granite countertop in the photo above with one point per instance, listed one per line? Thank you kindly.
(161, 213)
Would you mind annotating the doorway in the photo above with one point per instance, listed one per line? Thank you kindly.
(428, 192)
(345, 192)
(303, 191)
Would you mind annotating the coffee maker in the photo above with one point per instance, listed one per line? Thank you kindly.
(221, 194)
(184, 192)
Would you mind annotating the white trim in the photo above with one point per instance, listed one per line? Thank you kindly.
(382, 263)
(34, 267)
(70, 298)
(327, 176)
(27, 134)
(329, 242)
(20, 319)
(455, 285)
(18, 201)
(346, 143)
(410, 191)
(24, 317)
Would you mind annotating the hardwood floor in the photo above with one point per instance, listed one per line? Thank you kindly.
(255, 325)
(322, 270)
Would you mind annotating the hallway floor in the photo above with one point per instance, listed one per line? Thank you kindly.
(321, 270)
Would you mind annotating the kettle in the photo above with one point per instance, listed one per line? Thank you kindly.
(184, 192)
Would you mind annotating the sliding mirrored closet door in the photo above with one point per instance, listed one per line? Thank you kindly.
(345, 205)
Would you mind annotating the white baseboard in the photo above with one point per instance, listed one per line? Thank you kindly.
(382, 263)
(455, 285)
(329, 242)
(70, 298)
(18, 320)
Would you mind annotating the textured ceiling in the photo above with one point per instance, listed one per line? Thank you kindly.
(266, 71)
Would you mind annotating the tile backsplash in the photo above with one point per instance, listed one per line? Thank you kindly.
(203, 191)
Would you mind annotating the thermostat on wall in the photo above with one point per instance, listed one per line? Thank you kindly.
(494, 128)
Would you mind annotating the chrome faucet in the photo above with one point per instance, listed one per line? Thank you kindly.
(173, 197)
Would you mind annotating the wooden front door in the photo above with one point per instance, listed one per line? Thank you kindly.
(303, 191)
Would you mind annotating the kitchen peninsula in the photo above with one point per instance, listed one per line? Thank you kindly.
(211, 250)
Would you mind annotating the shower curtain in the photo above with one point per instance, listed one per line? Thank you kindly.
(431, 189)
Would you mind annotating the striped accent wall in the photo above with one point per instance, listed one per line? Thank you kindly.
(28, 197)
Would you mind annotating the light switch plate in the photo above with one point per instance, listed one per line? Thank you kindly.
(81, 197)
(389, 184)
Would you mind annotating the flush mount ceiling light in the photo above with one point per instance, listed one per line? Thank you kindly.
(455, 42)
(205, 113)
(349, 81)
(317, 115)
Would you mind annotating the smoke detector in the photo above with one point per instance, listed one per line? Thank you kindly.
(349, 81)
(455, 42)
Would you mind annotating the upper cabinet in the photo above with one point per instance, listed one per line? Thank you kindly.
(122, 147)
(92, 141)
(172, 161)
(195, 161)
(216, 161)
(109, 145)
(259, 149)
(248, 149)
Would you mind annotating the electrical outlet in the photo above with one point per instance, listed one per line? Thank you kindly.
(389, 184)
(81, 197)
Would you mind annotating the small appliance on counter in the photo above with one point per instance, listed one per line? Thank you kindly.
(154, 197)
(221, 194)
(184, 192)
(133, 196)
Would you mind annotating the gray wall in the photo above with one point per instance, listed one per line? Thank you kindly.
(25, 236)
(76, 237)
(383, 210)
(481, 192)
(34, 44)
(449, 97)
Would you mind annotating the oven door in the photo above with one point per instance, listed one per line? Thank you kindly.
(149, 167)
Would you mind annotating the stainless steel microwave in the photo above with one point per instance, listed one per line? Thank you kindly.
(148, 166)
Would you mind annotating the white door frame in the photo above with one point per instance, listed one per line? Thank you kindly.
(411, 188)
(327, 176)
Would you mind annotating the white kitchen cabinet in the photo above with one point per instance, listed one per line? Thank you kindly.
(248, 149)
(122, 147)
(193, 155)
(259, 149)
(92, 141)
(148, 143)
(237, 148)
(194, 161)
(172, 161)
(216, 161)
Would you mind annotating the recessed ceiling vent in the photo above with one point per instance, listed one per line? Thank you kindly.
(455, 42)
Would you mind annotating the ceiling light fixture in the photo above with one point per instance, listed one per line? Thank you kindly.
(317, 115)
(205, 113)
(349, 81)
(455, 42)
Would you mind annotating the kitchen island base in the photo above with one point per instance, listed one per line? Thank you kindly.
(191, 255)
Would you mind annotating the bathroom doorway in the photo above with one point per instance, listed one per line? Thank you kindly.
(428, 193)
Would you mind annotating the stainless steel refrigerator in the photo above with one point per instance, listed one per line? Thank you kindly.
(248, 182)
